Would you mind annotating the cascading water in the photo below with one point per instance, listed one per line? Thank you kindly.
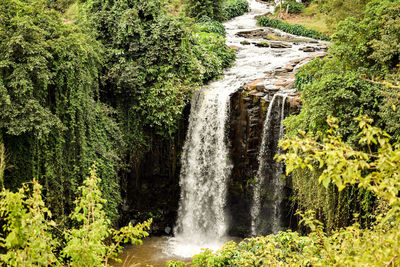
(206, 168)
(268, 188)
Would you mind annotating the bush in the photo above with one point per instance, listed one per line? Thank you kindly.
(291, 28)
(219, 10)
(208, 25)
(212, 53)
(294, 7)
(200, 8)
(27, 236)
(234, 8)
(60, 5)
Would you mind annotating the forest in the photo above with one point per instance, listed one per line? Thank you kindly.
(96, 107)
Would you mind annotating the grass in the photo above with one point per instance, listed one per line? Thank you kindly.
(295, 29)
(310, 18)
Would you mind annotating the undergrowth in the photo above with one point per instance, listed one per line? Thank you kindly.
(291, 28)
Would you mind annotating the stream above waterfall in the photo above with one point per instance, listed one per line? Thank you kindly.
(203, 221)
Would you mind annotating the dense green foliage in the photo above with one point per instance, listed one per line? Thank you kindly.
(51, 121)
(152, 63)
(205, 24)
(219, 10)
(290, 28)
(234, 8)
(200, 8)
(97, 90)
(31, 237)
(348, 83)
(338, 10)
(342, 166)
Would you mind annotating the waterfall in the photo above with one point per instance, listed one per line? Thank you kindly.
(268, 188)
(202, 221)
(205, 169)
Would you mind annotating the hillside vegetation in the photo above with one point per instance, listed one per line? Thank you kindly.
(85, 82)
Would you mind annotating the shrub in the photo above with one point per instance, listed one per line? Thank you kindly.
(210, 8)
(208, 25)
(27, 237)
(217, 10)
(212, 54)
(291, 28)
(234, 8)
(294, 7)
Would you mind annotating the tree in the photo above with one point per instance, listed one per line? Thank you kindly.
(28, 229)
(28, 240)
(51, 121)
(86, 244)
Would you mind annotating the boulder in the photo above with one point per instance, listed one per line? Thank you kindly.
(289, 67)
(279, 45)
(308, 49)
(262, 44)
(255, 34)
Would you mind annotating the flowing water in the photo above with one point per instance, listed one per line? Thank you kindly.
(267, 193)
(202, 220)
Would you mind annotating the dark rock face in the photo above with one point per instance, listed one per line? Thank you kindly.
(245, 128)
(152, 189)
(248, 111)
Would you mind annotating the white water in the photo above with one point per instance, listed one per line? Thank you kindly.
(273, 131)
(202, 221)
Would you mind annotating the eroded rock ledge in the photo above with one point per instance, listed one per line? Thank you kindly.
(248, 110)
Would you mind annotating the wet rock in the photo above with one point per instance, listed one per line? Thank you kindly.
(280, 71)
(259, 94)
(279, 45)
(260, 87)
(253, 92)
(271, 87)
(167, 230)
(280, 83)
(289, 67)
(255, 34)
(245, 42)
(308, 49)
(294, 100)
(323, 48)
(301, 61)
(253, 85)
(296, 61)
(262, 44)
(234, 47)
